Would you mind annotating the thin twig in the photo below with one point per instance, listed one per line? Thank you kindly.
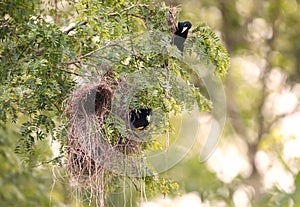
(49, 161)
(25, 48)
(101, 48)
(70, 72)
(78, 59)
(132, 53)
(110, 15)
(74, 27)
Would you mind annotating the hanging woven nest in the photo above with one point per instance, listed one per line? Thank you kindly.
(94, 143)
(89, 148)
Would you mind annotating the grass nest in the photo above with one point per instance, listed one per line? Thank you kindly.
(96, 150)
(94, 156)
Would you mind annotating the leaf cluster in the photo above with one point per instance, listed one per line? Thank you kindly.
(42, 62)
(208, 48)
(34, 83)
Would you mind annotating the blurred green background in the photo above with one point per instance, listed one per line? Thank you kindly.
(256, 162)
(257, 159)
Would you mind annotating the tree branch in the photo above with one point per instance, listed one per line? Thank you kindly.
(113, 14)
(74, 27)
(49, 161)
(78, 59)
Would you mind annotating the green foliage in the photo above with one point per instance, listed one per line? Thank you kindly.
(19, 11)
(208, 48)
(164, 186)
(42, 60)
(33, 82)
(22, 185)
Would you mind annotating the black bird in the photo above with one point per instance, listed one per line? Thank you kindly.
(140, 118)
(181, 34)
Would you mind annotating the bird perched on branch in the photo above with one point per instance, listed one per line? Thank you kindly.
(181, 34)
(140, 118)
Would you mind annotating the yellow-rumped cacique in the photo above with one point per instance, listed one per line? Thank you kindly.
(181, 34)
(140, 118)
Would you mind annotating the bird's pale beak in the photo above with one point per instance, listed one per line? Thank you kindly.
(184, 29)
(148, 118)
